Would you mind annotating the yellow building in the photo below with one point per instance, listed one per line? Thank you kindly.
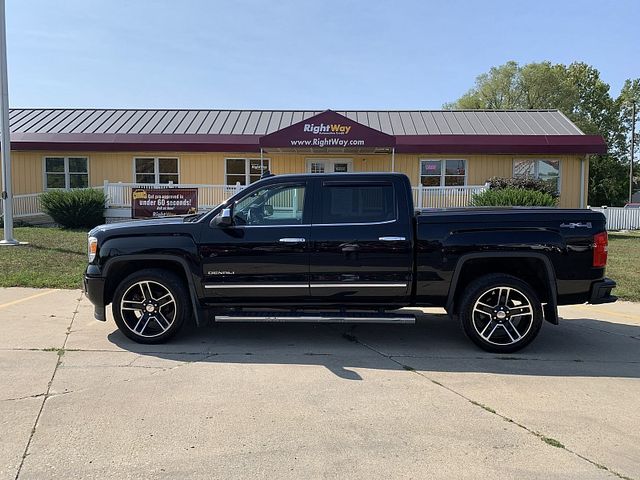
(442, 152)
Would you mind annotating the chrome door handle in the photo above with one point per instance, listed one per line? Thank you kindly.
(292, 240)
(391, 239)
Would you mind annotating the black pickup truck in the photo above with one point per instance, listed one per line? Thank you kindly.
(348, 248)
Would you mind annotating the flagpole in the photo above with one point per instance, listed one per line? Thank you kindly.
(5, 139)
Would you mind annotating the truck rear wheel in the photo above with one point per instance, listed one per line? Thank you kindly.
(150, 306)
(500, 313)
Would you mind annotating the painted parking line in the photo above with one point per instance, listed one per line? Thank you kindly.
(41, 294)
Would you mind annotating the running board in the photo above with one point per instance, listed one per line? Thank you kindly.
(323, 317)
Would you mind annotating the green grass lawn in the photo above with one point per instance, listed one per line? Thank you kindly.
(623, 264)
(56, 258)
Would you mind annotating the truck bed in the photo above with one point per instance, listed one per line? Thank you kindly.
(561, 238)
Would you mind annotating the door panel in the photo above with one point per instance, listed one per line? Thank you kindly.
(264, 257)
(362, 250)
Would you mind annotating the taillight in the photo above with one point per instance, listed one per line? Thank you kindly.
(600, 246)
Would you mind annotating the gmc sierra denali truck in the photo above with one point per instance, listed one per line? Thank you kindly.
(348, 248)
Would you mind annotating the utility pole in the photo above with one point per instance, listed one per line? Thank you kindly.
(5, 138)
(633, 144)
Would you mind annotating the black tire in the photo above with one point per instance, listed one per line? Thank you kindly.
(149, 289)
(512, 329)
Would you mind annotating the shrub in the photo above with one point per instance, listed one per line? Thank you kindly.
(81, 208)
(527, 183)
(508, 197)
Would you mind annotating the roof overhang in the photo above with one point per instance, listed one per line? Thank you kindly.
(100, 142)
(426, 144)
(502, 144)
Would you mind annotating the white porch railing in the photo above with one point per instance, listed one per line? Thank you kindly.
(619, 218)
(209, 196)
(445, 197)
(24, 205)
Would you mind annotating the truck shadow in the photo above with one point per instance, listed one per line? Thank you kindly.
(578, 347)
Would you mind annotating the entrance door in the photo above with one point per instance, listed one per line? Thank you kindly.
(329, 165)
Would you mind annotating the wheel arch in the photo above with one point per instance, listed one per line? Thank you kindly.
(519, 264)
(118, 268)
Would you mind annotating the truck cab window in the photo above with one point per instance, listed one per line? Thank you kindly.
(272, 205)
(352, 203)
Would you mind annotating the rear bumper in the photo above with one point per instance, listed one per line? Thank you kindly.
(94, 290)
(601, 291)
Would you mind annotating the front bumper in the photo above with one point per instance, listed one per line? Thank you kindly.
(601, 291)
(94, 290)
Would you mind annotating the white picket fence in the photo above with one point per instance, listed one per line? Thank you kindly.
(619, 218)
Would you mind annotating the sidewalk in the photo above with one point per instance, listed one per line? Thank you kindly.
(78, 399)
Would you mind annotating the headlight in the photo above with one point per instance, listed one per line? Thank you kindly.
(93, 248)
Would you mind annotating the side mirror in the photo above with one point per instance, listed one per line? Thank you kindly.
(224, 218)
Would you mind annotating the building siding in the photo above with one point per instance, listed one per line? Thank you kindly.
(209, 168)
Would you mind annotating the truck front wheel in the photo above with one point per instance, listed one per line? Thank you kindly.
(500, 313)
(150, 306)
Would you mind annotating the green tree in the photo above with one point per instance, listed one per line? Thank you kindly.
(580, 93)
(510, 86)
(631, 93)
(608, 181)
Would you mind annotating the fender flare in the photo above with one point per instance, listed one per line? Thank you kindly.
(550, 309)
(198, 311)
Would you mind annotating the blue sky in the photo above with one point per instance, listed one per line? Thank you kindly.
(297, 53)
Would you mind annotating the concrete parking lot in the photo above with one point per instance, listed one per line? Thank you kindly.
(79, 400)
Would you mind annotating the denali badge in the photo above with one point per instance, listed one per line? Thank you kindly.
(223, 272)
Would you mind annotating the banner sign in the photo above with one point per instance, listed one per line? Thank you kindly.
(327, 130)
(163, 202)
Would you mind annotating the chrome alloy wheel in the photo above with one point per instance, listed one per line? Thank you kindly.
(502, 315)
(148, 308)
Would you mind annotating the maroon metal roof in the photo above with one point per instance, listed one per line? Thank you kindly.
(419, 131)
(263, 122)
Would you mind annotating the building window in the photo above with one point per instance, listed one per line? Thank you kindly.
(443, 173)
(156, 170)
(66, 172)
(244, 170)
(545, 170)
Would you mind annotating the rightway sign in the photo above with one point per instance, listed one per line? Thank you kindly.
(327, 129)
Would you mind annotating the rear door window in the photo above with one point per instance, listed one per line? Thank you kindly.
(357, 203)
